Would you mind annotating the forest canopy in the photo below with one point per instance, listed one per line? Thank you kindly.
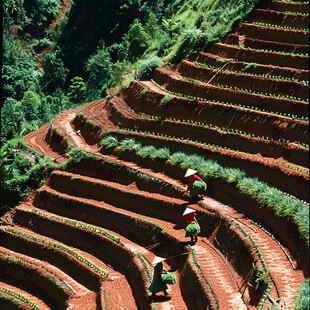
(59, 54)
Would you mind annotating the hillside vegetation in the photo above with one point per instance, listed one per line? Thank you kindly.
(83, 58)
(106, 105)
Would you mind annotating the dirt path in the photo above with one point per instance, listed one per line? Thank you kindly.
(36, 140)
(286, 279)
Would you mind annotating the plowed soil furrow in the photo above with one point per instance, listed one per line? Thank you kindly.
(117, 280)
(221, 288)
(284, 6)
(249, 67)
(162, 176)
(281, 18)
(261, 57)
(59, 260)
(175, 83)
(124, 117)
(231, 116)
(243, 41)
(176, 297)
(277, 258)
(74, 181)
(223, 284)
(285, 277)
(108, 284)
(274, 34)
(79, 288)
(95, 112)
(258, 160)
(36, 300)
(243, 81)
(36, 140)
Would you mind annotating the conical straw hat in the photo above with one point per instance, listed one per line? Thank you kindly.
(190, 172)
(188, 210)
(157, 260)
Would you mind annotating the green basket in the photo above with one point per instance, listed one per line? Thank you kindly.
(169, 278)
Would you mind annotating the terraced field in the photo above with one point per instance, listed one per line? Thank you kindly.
(86, 238)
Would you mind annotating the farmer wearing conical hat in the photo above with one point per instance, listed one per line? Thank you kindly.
(195, 184)
(193, 228)
(158, 285)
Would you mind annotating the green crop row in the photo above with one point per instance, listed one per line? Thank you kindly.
(11, 299)
(223, 129)
(47, 274)
(304, 170)
(253, 108)
(146, 266)
(271, 51)
(260, 274)
(20, 297)
(268, 197)
(235, 88)
(292, 1)
(279, 26)
(264, 76)
(194, 256)
(79, 224)
(61, 247)
(297, 13)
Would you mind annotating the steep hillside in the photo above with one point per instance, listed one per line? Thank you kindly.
(237, 113)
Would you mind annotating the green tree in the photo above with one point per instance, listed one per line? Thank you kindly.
(77, 90)
(31, 103)
(138, 41)
(151, 26)
(12, 117)
(100, 70)
(55, 70)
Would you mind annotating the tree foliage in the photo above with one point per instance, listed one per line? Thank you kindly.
(77, 91)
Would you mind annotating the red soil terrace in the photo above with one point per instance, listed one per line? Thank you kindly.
(115, 212)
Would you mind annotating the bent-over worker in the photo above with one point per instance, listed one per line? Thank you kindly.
(195, 184)
(193, 228)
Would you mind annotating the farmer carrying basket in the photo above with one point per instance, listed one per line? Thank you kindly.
(193, 228)
(195, 184)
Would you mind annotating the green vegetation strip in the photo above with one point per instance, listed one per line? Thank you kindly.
(11, 299)
(271, 51)
(260, 274)
(242, 71)
(223, 129)
(144, 262)
(194, 256)
(61, 247)
(79, 224)
(297, 168)
(279, 26)
(267, 196)
(228, 103)
(250, 91)
(48, 274)
(20, 297)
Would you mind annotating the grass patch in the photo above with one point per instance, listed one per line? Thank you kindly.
(21, 169)
(302, 296)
